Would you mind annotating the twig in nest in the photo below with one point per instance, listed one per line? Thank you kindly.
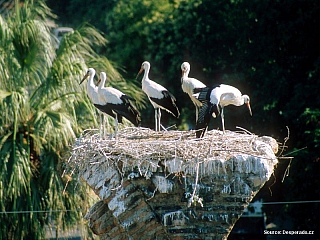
(286, 173)
(145, 150)
(245, 130)
(285, 141)
(274, 182)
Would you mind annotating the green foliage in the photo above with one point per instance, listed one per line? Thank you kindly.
(312, 129)
(232, 42)
(43, 108)
(75, 12)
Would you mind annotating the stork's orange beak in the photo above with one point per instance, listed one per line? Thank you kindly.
(141, 70)
(84, 78)
(249, 107)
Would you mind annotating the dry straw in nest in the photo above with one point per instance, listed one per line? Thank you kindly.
(145, 148)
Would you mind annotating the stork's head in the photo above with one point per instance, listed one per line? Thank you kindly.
(144, 66)
(246, 100)
(103, 77)
(185, 68)
(90, 72)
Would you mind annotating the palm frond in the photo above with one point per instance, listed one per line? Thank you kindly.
(41, 11)
(4, 94)
(13, 105)
(55, 126)
(34, 51)
(101, 63)
(91, 35)
(5, 33)
(5, 50)
(42, 109)
(81, 42)
(16, 168)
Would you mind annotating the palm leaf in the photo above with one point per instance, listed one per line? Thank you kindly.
(33, 49)
(4, 94)
(42, 108)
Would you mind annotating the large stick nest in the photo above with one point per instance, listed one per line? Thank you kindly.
(134, 147)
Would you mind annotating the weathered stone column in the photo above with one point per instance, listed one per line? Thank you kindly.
(169, 185)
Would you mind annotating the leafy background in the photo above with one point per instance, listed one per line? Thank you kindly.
(269, 49)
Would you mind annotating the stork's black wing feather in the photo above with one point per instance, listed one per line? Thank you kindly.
(204, 93)
(106, 109)
(205, 111)
(168, 102)
(129, 98)
(203, 119)
(127, 110)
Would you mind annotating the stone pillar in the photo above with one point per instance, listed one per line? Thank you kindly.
(176, 198)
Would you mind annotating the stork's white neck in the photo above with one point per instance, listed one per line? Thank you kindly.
(92, 88)
(185, 74)
(146, 72)
(241, 101)
(103, 82)
(90, 81)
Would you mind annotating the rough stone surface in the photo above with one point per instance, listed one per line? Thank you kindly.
(199, 199)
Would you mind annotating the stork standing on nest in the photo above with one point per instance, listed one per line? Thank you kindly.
(159, 96)
(189, 84)
(92, 92)
(116, 104)
(214, 97)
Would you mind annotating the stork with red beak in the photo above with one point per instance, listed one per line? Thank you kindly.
(158, 95)
(216, 97)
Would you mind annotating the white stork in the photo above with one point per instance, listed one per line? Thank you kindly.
(214, 97)
(159, 96)
(189, 84)
(116, 104)
(92, 92)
